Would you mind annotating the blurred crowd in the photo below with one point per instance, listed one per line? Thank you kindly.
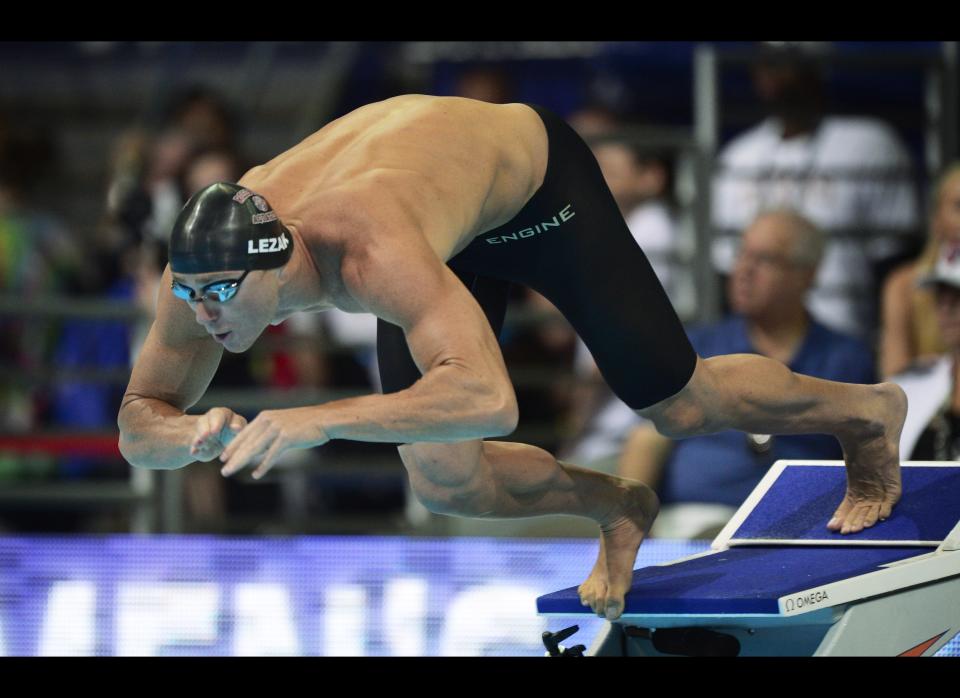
(826, 258)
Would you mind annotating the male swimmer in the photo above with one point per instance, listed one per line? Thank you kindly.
(423, 210)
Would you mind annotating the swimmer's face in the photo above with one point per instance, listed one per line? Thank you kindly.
(766, 277)
(238, 322)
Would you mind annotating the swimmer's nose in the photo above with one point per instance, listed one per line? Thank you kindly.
(204, 313)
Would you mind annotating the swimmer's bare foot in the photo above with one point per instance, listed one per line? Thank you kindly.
(620, 539)
(873, 464)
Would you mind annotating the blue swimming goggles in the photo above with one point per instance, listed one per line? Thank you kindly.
(220, 291)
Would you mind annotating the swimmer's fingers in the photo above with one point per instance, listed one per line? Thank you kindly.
(252, 440)
(209, 425)
(276, 450)
(230, 430)
(206, 438)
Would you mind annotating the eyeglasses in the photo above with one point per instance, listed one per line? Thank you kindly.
(764, 259)
(220, 291)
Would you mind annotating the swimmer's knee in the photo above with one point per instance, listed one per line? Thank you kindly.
(447, 478)
(686, 413)
(680, 421)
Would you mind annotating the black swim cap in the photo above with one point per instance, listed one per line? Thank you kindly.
(225, 227)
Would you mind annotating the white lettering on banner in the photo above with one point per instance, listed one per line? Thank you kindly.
(405, 615)
(69, 618)
(151, 616)
(800, 602)
(263, 622)
(154, 618)
(497, 614)
(242, 195)
(345, 621)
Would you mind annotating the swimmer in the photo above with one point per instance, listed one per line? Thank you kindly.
(423, 210)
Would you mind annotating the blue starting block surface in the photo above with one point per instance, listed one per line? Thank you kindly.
(779, 582)
(800, 500)
(742, 580)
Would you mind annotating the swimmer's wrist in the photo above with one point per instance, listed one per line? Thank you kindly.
(145, 440)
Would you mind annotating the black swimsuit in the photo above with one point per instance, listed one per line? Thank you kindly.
(571, 244)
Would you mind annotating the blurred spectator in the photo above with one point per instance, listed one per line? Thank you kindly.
(847, 174)
(204, 116)
(149, 184)
(39, 257)
(702, 480)
(486, 84)
(208, 166)
(932, 429)
(909, 331)
(594, 121)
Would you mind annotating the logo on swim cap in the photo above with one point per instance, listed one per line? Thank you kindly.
(242, 196)
(261, 203)
(277, 244)
(264, 217)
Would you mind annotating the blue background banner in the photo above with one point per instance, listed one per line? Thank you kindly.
(331, 596)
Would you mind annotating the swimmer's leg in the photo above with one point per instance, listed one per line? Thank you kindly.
(762, 396)
(492, 479)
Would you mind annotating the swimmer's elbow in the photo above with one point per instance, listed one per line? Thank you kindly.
(504, 414)
(133, 445)
(129, 452)
(128, 447)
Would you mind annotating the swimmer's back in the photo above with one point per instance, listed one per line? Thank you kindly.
(452, 167)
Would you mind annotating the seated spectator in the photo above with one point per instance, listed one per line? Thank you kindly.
(775, 268)
(910, 332)
(932, 429)
(851, 176)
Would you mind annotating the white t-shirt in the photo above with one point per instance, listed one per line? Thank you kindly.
(653, 228)
(852, 173)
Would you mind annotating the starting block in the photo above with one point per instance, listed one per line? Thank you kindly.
(778, 582)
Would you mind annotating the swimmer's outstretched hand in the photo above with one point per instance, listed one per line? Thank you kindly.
(267, 437)
(215, 430)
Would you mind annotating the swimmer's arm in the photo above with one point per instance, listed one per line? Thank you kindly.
(464, 392)
(175, 366)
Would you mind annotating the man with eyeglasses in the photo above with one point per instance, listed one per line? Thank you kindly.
(422, 210)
